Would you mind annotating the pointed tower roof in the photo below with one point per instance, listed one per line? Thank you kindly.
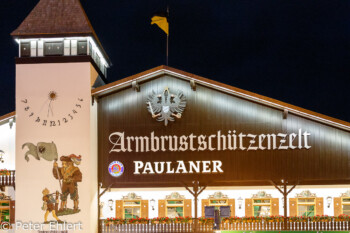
(57, 18)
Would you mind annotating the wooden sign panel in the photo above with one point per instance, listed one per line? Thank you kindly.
(218, 138)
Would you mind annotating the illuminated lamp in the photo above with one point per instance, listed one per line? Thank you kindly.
(240, 200)
(152, 203)
(329, 200)
(110, 204)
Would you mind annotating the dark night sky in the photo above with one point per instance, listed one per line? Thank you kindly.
(296, 51)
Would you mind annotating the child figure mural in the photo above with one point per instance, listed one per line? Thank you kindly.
(70, 175)
(49, 204)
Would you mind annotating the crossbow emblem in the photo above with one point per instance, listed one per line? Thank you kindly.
(166, 106)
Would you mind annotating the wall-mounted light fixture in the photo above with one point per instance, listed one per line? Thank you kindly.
(110, 204)
(329, 200)
(240, 200)
(152, 201)
(101, 209)
(11, 123)
(2, 153)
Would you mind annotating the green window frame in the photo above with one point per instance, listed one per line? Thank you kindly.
(261, 207)
(218, 202)
(307, 207)
(174, 208)
(132, 209)
(345, 205)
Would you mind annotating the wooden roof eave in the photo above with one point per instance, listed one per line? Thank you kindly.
(5, 118)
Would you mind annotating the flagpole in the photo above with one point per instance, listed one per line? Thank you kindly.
(167, 42)
(167, 50)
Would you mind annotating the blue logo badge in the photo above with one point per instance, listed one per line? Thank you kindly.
(116, 168)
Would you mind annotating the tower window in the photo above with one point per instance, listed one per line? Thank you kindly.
(82, 48)
(53, 48)
(25, 49)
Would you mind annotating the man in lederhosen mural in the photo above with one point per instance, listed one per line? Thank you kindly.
(70, 176)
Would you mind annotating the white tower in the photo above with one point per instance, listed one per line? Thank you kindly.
(60, 59)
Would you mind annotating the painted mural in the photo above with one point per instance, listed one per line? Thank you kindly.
(68, 176)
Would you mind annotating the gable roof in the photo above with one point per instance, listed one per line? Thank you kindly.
(161, 70)
(57, 18)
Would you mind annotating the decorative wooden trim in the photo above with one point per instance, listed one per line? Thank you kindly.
(261, 194)
(306, 194)
(227, 183)
(218, 195)
(174, 196)
(131, 196)
(346, 194)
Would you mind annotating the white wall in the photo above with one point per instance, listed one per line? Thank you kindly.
(231, 192)
(71, 82)
(8, 145)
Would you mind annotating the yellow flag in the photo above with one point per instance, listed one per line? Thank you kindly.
(162, 22)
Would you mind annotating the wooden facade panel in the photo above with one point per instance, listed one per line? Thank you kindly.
(275, 206)
(293, 207)
(248, 207)
(161, 208)
(188, 208)
(12, 211)
(119, 210)
(144, 208)
(232, 204)
(319, 205)
(207, 112)
(205, 202)
(337, 206)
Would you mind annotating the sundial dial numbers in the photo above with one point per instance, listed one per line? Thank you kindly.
(48, 121)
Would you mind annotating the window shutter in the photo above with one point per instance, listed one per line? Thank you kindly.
(119, 209)
(337, 206)
(293, 207)
(231, 203)
(248, 207)
(12, 211)
(161, 208)
(319, 205)
(205, 202)
(275, 207)
(144, 208)
(188, 208)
